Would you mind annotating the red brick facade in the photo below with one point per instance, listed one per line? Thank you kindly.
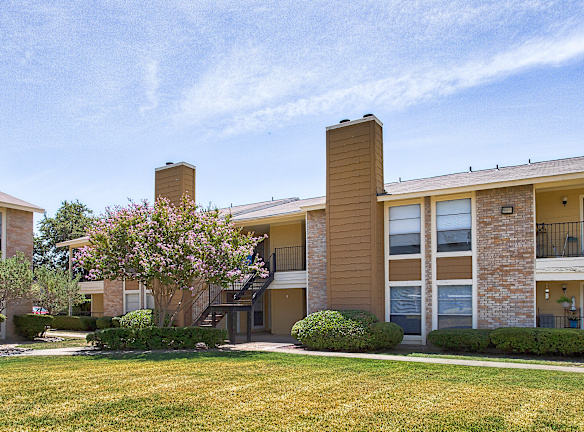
(316, 292)
(505, 257)
(113, 297)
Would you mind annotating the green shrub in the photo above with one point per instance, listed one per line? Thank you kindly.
(347, 330)
(74, 323)
(461, 339)
(541, 341)
(137, 319)
(157, 338)
(104, 322)
(31, 325)
(2, 318)
(386, 335)
(116, 322)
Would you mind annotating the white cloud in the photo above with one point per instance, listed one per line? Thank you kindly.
(151, 84)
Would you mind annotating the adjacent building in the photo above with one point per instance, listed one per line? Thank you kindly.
(478, 249)
(16, 235)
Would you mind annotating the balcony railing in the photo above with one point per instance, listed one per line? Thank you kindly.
(559, 240)
(554, 321)
(290, 258)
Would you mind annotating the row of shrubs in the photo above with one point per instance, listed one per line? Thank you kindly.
(346, 330)
(540, 341)
(157, 338)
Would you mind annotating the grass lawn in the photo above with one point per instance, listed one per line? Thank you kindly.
(212, 391)
(65, 343)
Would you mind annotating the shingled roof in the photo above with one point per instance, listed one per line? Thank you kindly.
(13, 202)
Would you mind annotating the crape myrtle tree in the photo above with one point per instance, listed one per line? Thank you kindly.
(175, 251)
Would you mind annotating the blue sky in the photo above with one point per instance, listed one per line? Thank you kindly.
(95, 95)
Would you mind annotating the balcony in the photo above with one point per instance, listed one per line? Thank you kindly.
(291, 258)
(559, 240)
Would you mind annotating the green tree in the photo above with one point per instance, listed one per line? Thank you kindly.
(70, 222)
(15, 279)
(56, 290)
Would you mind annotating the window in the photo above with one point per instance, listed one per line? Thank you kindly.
(404, 229)
(406, 308)
(454, 306)
(132, 302)
(453, 223)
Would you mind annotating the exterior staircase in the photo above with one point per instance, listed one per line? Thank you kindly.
(216, 302)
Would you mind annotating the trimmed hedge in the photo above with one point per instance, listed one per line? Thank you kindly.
(461, 339)
(116, 322)
(157, 338)
(82, 323)
(31, 325)
(104, 322)
(137, 319)
(346, 330)
(539, 341)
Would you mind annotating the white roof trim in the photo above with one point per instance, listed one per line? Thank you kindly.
(175, 165)
(353, 122)
(80, 241)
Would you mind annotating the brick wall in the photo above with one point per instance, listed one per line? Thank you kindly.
(316, 292)
(113, 300)
(19, 229)
(505, 257)
(428, 262)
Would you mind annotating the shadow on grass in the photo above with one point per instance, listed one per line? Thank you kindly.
(175, 355)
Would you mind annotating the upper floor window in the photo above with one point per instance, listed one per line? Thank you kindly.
(404, 229)
(453, 223)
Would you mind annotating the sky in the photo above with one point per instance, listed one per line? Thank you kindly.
(95, 95)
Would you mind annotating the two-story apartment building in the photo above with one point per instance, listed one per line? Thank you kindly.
(479, 249)
(16, 235)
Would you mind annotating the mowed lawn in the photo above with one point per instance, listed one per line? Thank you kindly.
(218, 391)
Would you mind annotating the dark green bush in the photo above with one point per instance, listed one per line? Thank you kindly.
(461, 339)
(2, 318)
(31, 325)
(347, 330)
(62, 322)
(542, 341)
(157, 338)
(116, 322)
(104, 322)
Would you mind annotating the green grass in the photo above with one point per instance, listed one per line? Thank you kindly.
(218, 391)
(66, 343)
(563, 362)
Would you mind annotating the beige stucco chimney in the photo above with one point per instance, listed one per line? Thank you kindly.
(354, 234)
(173, 180)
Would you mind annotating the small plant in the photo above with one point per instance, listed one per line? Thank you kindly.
(564, 299)
(2, 318)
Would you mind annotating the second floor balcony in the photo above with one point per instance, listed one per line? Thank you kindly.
(559, 240)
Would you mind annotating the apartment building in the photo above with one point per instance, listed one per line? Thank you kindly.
(478, 249)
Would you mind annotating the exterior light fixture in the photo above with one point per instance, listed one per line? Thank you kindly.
(547, 294)
(565, 200)
(507, 210)
(564, 288)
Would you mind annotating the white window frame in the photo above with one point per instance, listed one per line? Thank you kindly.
(419, 283)
(422, 245)
(472, 253)
(458, 282)
(124, 292)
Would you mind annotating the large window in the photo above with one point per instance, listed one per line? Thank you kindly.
(404, 229)
(454, 306)
(132, 302)
(453, 223)
(406, 308)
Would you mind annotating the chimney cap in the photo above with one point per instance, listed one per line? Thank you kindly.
(171, 165)
(368, 115)
(345, 120)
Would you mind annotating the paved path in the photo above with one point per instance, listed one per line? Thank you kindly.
(287, 348)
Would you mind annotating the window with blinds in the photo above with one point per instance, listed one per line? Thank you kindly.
(453, 224)
(406, 308)
(404, 229)
(132, 302)
(454, 306)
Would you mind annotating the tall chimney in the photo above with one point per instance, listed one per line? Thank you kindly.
(354, 218)
(173, 180)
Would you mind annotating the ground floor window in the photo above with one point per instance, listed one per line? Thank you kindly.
(454, 306)
(132, 302)
(149, 300)
(406, 308)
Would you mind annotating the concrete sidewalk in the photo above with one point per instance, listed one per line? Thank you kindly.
(287, 348)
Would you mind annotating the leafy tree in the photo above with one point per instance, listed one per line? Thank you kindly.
(70, 222)
(15, 279)
(175, 251)
(56, 290)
